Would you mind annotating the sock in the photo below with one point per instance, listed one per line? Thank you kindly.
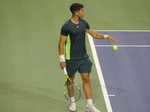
(72, 99)
(89, 102)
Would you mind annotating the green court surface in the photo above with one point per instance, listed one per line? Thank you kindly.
(30, 77)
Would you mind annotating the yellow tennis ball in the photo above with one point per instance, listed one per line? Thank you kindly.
(115, 47)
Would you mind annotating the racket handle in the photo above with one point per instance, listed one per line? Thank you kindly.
(66, 74)
(65, 71)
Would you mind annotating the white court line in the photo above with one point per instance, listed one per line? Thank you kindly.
(125, 30)
(100, 75)
(111, 95)
(123, 45)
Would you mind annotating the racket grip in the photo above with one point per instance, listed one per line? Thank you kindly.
(65, 71)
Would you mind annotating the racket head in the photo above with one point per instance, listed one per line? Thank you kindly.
(71, 89)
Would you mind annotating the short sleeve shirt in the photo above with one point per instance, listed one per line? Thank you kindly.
(75, 47)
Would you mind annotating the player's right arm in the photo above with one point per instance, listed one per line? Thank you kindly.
(61, 51)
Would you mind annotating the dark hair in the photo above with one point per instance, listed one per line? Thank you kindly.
(76, 7)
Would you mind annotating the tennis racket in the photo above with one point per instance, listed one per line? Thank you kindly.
(71, 89)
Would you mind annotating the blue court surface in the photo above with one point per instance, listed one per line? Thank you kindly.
(125, 73)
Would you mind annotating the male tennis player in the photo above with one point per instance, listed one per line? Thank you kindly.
(75, 57)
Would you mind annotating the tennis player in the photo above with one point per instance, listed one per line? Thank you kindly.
(75, 57)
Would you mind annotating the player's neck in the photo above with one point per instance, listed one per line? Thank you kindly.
(75, 19)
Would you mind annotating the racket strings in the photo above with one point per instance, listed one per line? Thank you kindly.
(72, 90)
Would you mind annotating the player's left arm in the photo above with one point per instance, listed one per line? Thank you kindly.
(101, 36)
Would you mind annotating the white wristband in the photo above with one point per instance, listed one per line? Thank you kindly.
(105, 36)
(62, 58)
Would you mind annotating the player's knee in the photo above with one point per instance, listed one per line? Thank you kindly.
(86, 80)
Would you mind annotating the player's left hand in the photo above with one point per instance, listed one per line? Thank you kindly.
(109, 38)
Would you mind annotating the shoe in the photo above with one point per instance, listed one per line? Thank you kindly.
(72, 106)
(91, 108)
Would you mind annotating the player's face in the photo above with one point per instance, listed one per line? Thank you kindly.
(80, 13)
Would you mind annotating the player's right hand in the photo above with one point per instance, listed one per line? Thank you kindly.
(62, 65)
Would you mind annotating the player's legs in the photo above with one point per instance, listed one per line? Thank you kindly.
(86, 85)
(88, 93)
(72, 77)
(85, 70)
(72, 106)
(71, 87)
(72, 67)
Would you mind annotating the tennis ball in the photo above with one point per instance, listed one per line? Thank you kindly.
(115, 47)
